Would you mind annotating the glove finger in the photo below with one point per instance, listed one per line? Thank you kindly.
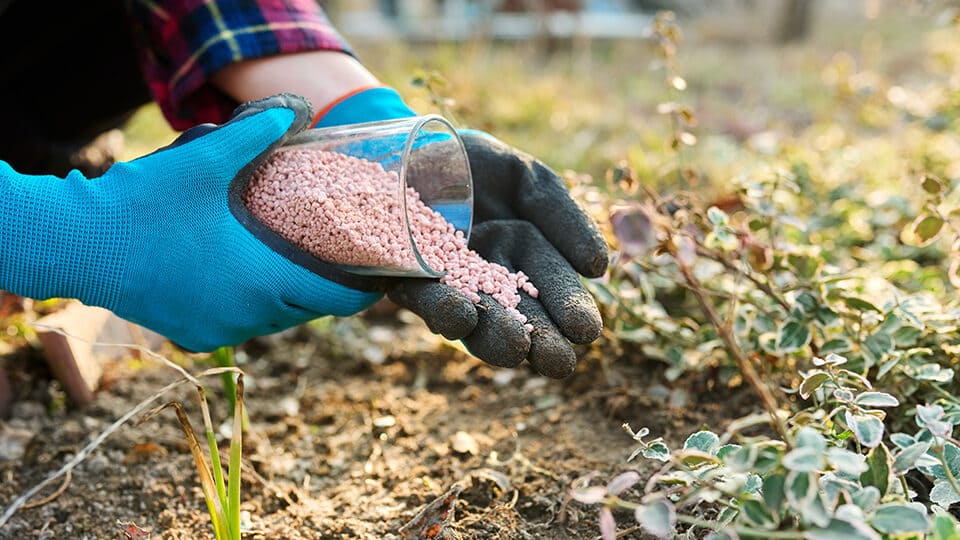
(445, 310)
(519, 245)
(550, 353)
(264, 121)
(191, 134)
(521, 186)
(498, 339)
(544, 201)
(239, 146)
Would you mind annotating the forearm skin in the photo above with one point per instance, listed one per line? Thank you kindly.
(320, 76)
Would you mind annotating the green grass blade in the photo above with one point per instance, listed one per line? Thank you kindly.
(217, 516)
(224, 358)
(236, 453)
(214, 449)
(216, 466)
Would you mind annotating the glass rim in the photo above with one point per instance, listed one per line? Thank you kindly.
(412, 126)
(408, 149)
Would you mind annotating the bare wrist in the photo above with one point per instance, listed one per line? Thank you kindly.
(320, 76)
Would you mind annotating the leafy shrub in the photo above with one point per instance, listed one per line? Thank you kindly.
(825, 279)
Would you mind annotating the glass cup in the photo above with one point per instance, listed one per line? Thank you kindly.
(424, 153)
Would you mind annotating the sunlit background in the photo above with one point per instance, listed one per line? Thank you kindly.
(578, 83)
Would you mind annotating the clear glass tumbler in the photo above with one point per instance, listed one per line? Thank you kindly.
(425, 153)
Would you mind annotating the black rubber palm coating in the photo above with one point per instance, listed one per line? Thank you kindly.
(518, 245)
(445, 310)
(498, 339)
(524, 219)
(512, 185)
(550, 353)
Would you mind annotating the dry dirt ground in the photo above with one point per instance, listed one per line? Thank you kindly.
(356, 425)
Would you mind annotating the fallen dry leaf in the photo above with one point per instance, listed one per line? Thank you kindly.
(430, 522)
(132, 532)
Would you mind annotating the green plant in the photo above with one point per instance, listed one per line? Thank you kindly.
(822, 289)
(863, 356)
(435, 85)
(224, 357)
(681, 116)
(224, 515)
(223, 499)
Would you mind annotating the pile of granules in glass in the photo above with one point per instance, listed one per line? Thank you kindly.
(346, 210)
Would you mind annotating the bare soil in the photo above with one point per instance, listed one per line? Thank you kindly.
(356, 425)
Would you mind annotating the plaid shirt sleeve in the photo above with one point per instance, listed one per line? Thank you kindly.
(184, 42)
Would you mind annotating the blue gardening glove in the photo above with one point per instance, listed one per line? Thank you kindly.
(525, 220)
(164, 240)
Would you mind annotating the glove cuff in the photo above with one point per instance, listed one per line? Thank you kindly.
(366, 104)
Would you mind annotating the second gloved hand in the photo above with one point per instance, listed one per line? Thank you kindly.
(524, 219)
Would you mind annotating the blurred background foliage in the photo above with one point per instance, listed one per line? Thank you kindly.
(861, 73)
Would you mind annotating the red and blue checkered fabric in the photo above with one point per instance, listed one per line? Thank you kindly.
(184, 42)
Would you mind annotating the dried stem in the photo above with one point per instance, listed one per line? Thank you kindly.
(744, 363)
(765, 287)
(98, 440)
(67, 477)
(733, 298)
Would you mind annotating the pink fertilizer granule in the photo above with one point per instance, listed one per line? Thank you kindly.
(347, 210)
